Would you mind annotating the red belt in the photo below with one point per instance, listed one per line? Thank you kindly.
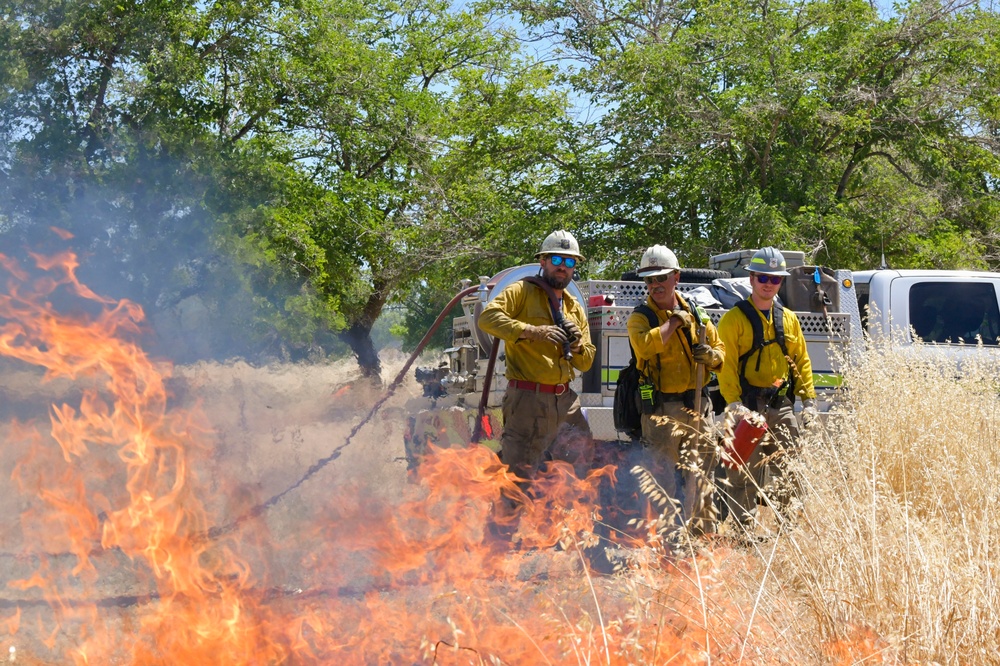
(558, 389)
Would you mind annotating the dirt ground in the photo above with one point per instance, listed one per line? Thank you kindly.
(265, 428)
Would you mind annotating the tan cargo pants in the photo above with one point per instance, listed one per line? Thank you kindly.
(534, 423)
(684, 461)
(779, 487)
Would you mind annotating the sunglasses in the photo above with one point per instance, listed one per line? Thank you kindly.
(657, 278)
(765, 279)
(559, 260)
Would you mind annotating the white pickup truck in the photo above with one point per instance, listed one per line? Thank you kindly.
(948, 310)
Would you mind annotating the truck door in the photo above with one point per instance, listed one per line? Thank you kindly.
(946, 311)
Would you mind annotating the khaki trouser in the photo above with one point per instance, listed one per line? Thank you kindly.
(684, 462)
(537, 427)
(779, 488)
(531, 422)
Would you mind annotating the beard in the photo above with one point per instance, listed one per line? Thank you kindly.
(557, 282)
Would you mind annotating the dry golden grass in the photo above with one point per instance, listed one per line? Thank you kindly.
(895, 558)
(897, 549)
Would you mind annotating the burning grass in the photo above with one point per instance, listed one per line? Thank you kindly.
(114, 560)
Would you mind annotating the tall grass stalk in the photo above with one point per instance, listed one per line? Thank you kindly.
(898, 543)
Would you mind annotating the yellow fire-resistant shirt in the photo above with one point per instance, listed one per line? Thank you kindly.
(521, 304)
(737, 334)
(677, 368)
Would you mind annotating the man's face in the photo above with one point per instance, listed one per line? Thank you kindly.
(765, 290)
(661, 286)
(555, 270)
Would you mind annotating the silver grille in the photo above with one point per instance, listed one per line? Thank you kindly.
(813, 323)
(609, 318)
(625, 294)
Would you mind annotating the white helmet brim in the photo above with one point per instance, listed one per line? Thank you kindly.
(653, 271)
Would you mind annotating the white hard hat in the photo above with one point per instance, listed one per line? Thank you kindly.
(657, 260)
(560, 242)
(767, 260)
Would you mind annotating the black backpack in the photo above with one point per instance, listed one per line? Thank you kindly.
(627, 409)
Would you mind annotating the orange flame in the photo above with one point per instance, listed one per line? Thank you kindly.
(120, 482)
(115, 504)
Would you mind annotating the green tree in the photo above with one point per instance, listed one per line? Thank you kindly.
(816, 125)
(415, 123)
(298, 165)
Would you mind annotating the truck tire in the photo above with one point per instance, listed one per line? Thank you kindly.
(702, 275)
(630, 276)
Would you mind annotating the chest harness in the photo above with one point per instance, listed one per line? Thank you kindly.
(772, 394)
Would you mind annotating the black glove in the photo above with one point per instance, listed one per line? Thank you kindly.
(575, 335)
(574, 332)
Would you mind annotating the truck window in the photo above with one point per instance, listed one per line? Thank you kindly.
(955, 312)
(863, 300)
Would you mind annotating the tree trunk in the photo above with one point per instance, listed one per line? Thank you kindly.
(359, 335)
(359, 338)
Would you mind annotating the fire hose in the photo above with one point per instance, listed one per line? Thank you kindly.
(255, 511)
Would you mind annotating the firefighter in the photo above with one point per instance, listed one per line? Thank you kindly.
(766, 368)
(668, 354)
(542, 358)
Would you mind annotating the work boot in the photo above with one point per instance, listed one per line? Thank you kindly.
(744, 533)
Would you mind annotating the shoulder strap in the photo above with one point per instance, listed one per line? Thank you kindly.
(554, 308)
(654, 322)
(778, 315)
(651, 317)
(758, 344)
(549, 292)
(750, 312)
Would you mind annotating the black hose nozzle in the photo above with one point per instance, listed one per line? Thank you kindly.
(561, 323)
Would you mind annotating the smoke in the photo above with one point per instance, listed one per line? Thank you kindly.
(161, 234)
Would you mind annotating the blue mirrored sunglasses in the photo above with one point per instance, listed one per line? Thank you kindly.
(559, 260)
(773, 279)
